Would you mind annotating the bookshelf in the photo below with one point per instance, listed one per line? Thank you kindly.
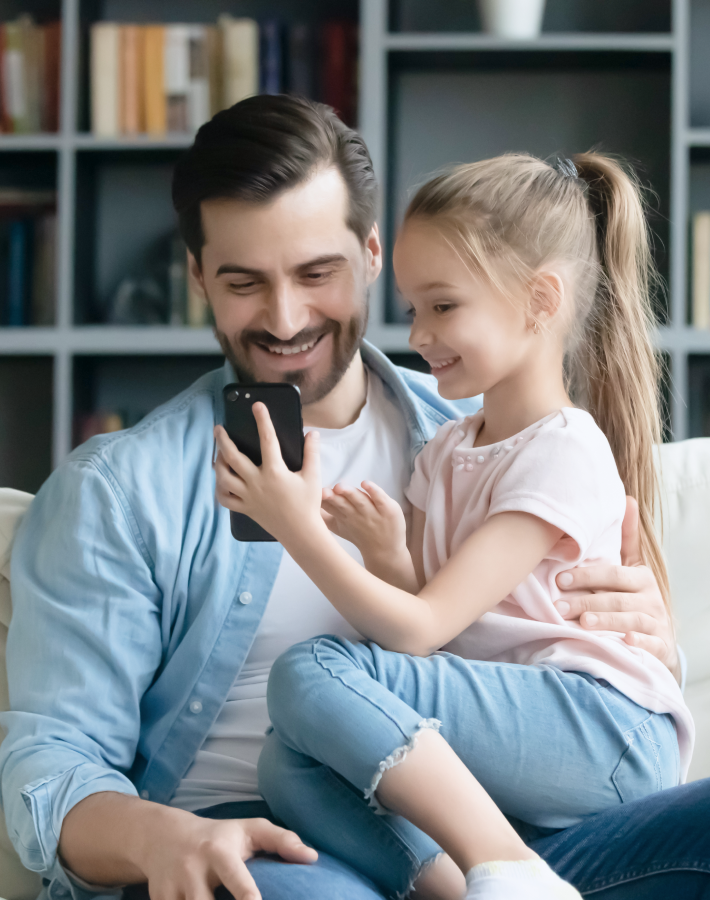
(428, 79)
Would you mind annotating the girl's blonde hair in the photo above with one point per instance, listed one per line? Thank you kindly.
(512, 215)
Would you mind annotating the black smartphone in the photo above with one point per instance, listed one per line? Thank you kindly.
(284, 404)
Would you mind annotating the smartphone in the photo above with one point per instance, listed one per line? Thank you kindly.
(284, 404)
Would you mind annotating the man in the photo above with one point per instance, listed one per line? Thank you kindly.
(143, 633)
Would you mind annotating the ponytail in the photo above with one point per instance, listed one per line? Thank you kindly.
(614, 370)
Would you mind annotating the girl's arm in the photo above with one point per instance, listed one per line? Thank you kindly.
(375, 523)
(485, 569)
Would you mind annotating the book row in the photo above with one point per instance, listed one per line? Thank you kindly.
(172, 78)
(28, 237)
(29, 76)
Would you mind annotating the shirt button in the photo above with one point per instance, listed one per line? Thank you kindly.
(145, 795)
(196, 707)
(245, 597)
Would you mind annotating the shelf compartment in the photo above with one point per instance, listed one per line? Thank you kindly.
(26, 417)
(560, 16)
(130, 386)
(545, 104)
(699, 395)
(123, 211)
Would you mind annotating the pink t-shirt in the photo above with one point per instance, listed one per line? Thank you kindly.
(561, 470)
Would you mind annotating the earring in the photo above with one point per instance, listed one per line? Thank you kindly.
(536, 328)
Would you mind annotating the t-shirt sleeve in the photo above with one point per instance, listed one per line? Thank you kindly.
(565, 475)
(425, 466)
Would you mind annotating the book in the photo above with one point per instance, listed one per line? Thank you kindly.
(270, 61)
(154, 79)
(44, 282)
(105, 108)
(339, 68)
(14, 78)
(300, 61)
(240, 53)
(51, 72)
(131, 79)
(700, 293)
(177, 76)
(18, 256)
(198, 106)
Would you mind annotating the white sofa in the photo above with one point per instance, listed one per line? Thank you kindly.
(686, 503)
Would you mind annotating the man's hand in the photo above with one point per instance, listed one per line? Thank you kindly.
(110, 839)
(622, 598)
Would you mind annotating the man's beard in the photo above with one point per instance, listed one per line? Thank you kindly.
(346, 339)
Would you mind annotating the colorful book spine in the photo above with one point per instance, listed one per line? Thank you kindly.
(105, 105)
(339, 68)
(270, 74)
(44, 268)
(177, 76)
(51, 71)
(700, 289)
(199, 105)
(240, 50)
(17, 270)
(131, 79)
(154, 79)
(14, 78)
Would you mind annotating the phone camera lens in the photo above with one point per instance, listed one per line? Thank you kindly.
(233, 395)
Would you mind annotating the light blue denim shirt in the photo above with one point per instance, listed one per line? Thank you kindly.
(134, 610)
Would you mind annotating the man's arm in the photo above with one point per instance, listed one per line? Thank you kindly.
(114, 839)
(623, 598)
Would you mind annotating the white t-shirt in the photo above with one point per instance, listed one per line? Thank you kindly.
(560, 469)
(374, 448)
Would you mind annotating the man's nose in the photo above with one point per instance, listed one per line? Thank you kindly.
(286, 313)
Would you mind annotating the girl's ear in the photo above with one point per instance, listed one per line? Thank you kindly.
(547, 292)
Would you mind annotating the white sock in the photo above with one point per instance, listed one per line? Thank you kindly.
(524, 879)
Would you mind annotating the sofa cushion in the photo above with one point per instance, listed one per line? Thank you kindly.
(16, 883)
(685, 505)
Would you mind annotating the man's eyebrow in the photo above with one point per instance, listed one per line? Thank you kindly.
(234, 269)
(323, 260)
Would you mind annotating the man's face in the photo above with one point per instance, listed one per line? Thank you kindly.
(287, 281)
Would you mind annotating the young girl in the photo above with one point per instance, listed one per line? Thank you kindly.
(529, 284)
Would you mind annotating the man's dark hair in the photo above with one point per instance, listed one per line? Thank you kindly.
(263, 146)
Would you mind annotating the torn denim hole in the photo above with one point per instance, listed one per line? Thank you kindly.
(425, 866)
(394, 759)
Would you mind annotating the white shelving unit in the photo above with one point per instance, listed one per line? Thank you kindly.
(380, 48)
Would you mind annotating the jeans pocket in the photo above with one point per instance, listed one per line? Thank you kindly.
(639, 771)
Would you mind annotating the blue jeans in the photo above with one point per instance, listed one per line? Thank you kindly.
(550, 747)
(652, 849)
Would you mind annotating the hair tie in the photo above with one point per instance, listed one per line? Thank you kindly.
(566, 168)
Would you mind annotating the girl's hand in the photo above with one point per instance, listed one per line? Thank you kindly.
(281, 501)
(375, 523)
(368, 518)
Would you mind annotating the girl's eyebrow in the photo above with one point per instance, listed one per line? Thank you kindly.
(435, 285)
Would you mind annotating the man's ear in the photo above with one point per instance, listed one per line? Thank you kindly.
(373, 254)
(547, 291)
(194, 273)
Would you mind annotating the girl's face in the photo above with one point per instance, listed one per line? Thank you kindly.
(473, 337)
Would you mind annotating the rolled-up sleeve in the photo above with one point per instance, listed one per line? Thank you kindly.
(83, 646)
